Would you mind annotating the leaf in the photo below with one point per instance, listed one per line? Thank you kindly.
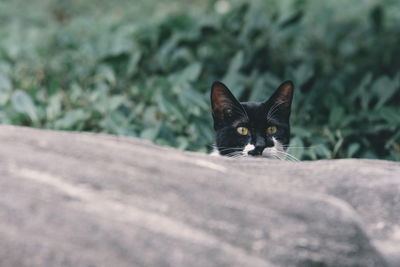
(151, 133)
(106, 73)
(233, 78)
(384, 88)
(169, 108)
(5, 82)
(192, 99)
(393, 140)
(164, 52)
(5, 89)
(119, 45)
(116, 101)
(4, 118)
(361, 91)
(71, 119)
(134, 60)
(302, 74)
(192, 72)
(336, 116)
(117, 123)
(323, 151)
(353, 149)
(149, 116)
(391, 115)
(183, 142)
(23, 103)
(258, 90)
(300, 131)
(53, 109)
(236, 63)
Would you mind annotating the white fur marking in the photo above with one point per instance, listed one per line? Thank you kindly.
(273, 152)
(215, 152)
(248, 148)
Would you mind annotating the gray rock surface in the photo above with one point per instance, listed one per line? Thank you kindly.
(78, 199)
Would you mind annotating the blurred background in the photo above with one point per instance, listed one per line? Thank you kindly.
(144, 68)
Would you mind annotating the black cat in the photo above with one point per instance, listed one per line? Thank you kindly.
(251, 128)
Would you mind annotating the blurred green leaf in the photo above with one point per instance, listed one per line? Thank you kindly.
(336, 116)
(5, 83)
(385, 89)
(71, 119)
(5, 89)
(150, 133)
(54, 108)
(232, 77)
(352, 149)
(23, 103)
(192, 72)
(302, 74)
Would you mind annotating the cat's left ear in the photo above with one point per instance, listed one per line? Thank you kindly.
(281, 100)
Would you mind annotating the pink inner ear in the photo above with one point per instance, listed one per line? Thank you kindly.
(220, 100)
(285, 92)
(224, 104)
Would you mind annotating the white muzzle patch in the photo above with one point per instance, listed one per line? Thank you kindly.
(274, 152)
(248, 148)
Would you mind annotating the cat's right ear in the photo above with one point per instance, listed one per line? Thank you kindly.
(224, 105)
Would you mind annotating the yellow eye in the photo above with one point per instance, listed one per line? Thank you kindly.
(271, 130)
(242, 130)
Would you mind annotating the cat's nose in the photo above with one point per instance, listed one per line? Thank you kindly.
(257, 151)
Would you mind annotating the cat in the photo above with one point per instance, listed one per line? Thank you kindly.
(251, 128)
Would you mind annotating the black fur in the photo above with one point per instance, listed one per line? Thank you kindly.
(229, 114)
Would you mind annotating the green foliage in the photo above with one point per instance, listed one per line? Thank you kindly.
(120, 72)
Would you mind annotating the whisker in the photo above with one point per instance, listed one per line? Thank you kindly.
(229, 148)
(273, 157)
(276, 157)
(282, 152)
(245, 112)
(272, 112)
(223, 147)
(241, 111)
(291, 157)
(274, 109)
(298, 147)
(234, 154)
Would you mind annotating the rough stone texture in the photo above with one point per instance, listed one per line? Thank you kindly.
(76, 199)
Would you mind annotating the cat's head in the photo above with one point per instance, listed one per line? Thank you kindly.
(251, 128)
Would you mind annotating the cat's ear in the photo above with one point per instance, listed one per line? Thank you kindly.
(281, 100)
(224, 105)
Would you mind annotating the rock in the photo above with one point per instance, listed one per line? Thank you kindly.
(79, 199)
